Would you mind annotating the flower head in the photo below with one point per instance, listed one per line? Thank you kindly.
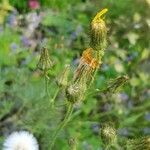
(98, 32)
(83, 76)
(88, 64)
(108, 133)
(21, 140)
(87, 57)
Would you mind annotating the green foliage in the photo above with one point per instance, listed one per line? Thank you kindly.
(5, 43)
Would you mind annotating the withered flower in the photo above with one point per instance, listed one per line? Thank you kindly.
(87, 65)
(82, 76)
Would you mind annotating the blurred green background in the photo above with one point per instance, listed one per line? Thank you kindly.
(63, 27)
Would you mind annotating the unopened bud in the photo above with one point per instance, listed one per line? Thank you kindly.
(98, 33)
(108, 134)
(139, 144)
(62, 80)
(116, 83)
(44, 63)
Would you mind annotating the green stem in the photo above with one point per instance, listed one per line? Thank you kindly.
(46, 83)
(54, 97)
(46, 86)
(112, 146)
(107, 148)
(62, 124)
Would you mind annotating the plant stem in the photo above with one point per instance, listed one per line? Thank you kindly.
(112, 146)
(46, 86)
(62, 124)
(54, 97)
(46, 83)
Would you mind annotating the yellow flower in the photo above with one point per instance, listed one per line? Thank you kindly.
(99, 15)
(98, 32)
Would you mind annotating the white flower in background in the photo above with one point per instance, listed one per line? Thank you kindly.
(21, 141)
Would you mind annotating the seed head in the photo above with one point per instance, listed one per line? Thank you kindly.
(98, 33)
(44, 63)
(21, 140)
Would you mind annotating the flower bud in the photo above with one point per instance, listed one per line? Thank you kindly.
(115, 84)
(44, 63)
(98, 33)
(62, 81)
(139, 144)
(108, 134)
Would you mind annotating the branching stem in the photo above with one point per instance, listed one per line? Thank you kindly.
(55, 95)
(62, 124)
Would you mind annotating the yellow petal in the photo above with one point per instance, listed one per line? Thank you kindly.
(99, 14)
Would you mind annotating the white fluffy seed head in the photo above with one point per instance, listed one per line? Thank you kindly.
(21, 140)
